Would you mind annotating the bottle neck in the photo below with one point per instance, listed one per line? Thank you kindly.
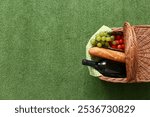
(97, 65)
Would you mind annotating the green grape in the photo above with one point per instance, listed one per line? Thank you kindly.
(108, 39)
(107, 35)
(101, 34)
(114, 43)
(99, 45)
(98, 38)
(102, 42)
(106, 44)
(103, 38)
(93, 42)
(104, 33)
(110, 33)
(112, 37)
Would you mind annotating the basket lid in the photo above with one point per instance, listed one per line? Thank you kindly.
(137, 52)
(143, 52)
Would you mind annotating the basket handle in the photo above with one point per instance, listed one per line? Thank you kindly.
(130, 52)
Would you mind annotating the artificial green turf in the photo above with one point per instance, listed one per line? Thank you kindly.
(42, 43)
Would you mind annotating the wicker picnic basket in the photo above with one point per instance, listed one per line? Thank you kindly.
(137, 51)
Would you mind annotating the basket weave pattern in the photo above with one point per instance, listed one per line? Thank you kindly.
(143, 53)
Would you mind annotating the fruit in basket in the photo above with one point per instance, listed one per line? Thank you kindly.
(114, 46)
(99, 45)
(93, 42)
(118, 42)
(109, 40)
(114, 43)
(106, 44)
(102, 39)
(119, 47)
(122, 46)
(118, 37)
(121, 41)
(112, 37)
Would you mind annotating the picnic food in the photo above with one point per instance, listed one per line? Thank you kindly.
(118, 42)
(108, 47)
(107, 67)
(113, 40)
(108, 54)
(102, 39)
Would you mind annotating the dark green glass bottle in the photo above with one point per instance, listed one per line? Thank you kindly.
(107, 67)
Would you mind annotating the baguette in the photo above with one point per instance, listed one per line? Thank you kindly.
(108, 54)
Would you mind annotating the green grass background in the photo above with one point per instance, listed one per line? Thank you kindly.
(42, 43)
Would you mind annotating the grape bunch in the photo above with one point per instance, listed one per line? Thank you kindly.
(109, 40)
(102, 39)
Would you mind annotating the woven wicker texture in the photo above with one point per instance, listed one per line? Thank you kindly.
(143, 53)
(137, 50)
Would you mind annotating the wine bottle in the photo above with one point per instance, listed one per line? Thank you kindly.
(107, 67)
